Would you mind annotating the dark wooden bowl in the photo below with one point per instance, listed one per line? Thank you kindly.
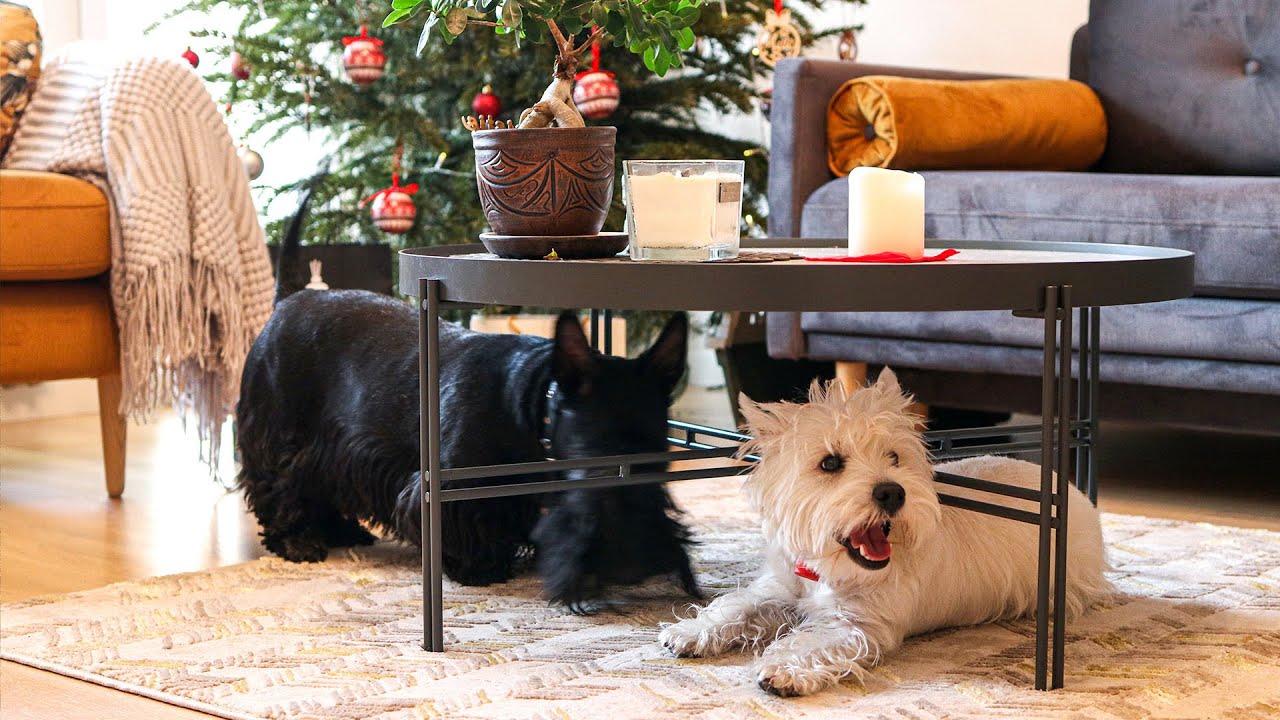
(545, 181)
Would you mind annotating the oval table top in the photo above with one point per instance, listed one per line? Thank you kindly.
(985, 275)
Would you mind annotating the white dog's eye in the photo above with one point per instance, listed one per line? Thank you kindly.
(893, 458)
(831, 463)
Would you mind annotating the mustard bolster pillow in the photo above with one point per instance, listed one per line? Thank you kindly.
(918, 124)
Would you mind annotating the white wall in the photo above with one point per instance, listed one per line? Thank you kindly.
(1018, 37)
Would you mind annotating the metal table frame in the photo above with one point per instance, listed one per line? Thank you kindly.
(1065, 438)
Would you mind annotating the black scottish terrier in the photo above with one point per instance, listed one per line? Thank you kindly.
(327, 428)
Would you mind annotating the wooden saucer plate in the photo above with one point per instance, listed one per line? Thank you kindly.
(569, 247)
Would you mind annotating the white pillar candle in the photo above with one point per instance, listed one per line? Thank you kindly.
(671, 211)
(886, 212)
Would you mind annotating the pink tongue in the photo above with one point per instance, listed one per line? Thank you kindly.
(873, 543)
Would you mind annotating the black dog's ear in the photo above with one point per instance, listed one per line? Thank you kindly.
(573, 362)
(666, 358)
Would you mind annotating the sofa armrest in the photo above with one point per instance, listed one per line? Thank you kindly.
(802, 89)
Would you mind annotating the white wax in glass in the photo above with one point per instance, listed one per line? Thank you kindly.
(673, 211)
(886, 212)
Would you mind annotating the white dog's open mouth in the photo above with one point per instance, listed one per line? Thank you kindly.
(869, 546)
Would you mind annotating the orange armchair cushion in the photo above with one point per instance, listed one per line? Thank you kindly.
(56, 330)
(52, 227)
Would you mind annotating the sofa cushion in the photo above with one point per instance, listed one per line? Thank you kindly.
(921, 124)
(1145, 370)
(1189, 86)
(19, 67)
(1208, 328)
(55, 227)
(1231, 223)
(56, 330)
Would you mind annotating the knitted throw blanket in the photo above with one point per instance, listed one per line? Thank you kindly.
(190, 277)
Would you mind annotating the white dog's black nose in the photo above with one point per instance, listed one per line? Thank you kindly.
(889, 496)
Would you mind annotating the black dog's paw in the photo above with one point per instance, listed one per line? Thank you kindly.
(298, 548)
(347, 533)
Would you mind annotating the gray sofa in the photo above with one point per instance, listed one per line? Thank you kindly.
(1191, 90)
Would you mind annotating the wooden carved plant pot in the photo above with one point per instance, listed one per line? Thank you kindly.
(545, 181)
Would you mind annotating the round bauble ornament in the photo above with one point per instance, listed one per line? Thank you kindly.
(486, 103)
(392, 208)
(596, 94)
(363, 59)
(239, 67)
(252, 161)
(190, 56)
(393, 212)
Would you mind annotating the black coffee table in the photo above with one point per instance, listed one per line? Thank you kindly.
(1052, 281)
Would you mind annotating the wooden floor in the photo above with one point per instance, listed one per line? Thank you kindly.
(60, 533)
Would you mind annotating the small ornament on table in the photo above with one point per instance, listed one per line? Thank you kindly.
(252, 161)
(848, 47)
(316, 282)
(596, 93)
(239, 67)
(392, 207)
(190, 56)
(779, 38)
(363, 58)
(486, 104)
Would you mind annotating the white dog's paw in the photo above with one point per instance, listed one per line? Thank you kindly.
(683, 639)
(791, 681)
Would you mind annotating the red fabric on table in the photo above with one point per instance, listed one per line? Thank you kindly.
(888, 257)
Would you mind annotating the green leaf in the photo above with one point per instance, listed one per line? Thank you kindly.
(487, 6)
(456, 21)
(686, 38)
(395, 15)
(662, 62)
(650, 57)
(426, 32)
(405, 4)
(512, 14)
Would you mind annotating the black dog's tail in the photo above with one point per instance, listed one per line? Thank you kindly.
(288, 256)
(286, 276)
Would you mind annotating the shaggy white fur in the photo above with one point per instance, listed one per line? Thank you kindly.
(845, 492)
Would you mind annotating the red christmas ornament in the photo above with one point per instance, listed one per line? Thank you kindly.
(191, 57)
(596, 93)
(486, 103)
(239, 67)
(363, 59)
(393, 210)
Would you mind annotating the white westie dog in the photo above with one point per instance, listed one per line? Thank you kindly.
(861, 554)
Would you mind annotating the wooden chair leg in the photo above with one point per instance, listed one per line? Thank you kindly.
(114, 428)
(852, 375)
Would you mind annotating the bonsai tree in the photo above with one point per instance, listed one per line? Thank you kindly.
(657, 30)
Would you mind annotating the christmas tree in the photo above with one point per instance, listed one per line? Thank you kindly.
(292, 50)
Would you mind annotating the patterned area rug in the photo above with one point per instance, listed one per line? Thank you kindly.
(1195, 633)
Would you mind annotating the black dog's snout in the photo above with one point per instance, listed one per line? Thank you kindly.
(889, 496)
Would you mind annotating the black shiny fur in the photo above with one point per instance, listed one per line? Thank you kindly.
(327, 428)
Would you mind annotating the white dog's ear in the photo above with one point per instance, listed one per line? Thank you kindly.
(765, 419)
(887, 382)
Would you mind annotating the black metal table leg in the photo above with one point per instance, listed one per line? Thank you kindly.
(1095, 379)
(429, 428)
(1063, 488)
(595, 328)
(1048, 397)
(608, 332)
